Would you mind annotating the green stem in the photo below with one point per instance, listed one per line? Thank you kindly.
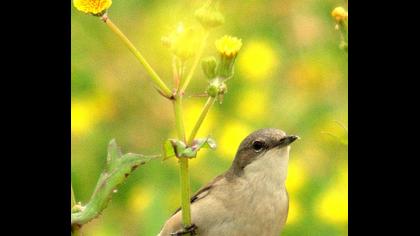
(73, 198)
(185, 192)
(179, 120)
(75, 231)
(185, 181)
(195, 64)
(183, 165)
(155, 77)
(175, 72)
(204, 111)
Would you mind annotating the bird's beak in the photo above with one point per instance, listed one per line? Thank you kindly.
(287, 140)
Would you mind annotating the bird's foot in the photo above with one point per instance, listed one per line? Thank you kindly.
(189, 230)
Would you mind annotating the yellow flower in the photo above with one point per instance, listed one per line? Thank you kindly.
(183, 42)
(95, 7)
(228, 46)
(339, 14)
(258, 60)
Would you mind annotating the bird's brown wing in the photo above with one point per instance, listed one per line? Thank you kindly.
(202, 192)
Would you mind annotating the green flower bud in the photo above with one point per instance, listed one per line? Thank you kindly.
(209, 65)
(213, 88)
(209, 17)
(216, 88)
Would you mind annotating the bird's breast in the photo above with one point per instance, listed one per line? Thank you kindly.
(266, 205)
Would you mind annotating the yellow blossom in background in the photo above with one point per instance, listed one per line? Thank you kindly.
(92, 6)
(83, 117)
(339, 14)
(296, 176)
(250, 104)
(333, 204)
(172, 200)
(228, 46)
(139, 199)
(295, 211)
(85, 114)
(233, 134)
(258, 61)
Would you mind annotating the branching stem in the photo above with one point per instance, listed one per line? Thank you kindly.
(153, 75)
(203, 114)
(195, 64)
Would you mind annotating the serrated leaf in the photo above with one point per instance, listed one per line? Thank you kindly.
(118, 167)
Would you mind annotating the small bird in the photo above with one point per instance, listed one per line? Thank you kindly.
(250, 198)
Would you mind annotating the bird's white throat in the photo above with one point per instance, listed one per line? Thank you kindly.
(269, 168)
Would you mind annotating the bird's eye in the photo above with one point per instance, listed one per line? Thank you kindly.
(258, 146)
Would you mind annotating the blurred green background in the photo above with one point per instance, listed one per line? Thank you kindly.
(290, 74)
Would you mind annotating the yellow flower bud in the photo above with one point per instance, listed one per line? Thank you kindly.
(228, 46)
(339, 14)
(95, 7)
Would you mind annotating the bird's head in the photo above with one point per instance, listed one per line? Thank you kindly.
(263, 150)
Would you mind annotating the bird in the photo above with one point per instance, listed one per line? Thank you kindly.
(248, 199)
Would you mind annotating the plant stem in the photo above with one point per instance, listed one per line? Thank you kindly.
(155, 77)
(203, 114)
(183, 164)
(74, 230)
(179, 118)
(73, 198)
(185, 191)
(195, 63)
(175, 73)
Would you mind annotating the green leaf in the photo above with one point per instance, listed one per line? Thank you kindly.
(173, 147)
(179, 147)
(168, 149)
(206, 143)
(118, 167)
(114, 153)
